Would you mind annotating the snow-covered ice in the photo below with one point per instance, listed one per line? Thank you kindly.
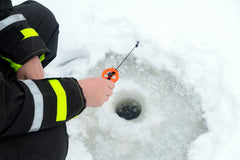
(185, 73)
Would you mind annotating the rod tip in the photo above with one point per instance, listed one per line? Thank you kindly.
(137, 44)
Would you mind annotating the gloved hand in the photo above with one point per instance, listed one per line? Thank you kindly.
(96, 90)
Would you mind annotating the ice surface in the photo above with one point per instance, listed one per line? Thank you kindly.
(188, 62)
(170, 120)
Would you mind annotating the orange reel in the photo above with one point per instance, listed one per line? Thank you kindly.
(110, 74)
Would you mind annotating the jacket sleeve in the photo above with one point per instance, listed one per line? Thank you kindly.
(33, 105)
(18, 41)
(5, 4)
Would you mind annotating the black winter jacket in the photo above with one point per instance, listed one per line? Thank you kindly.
(30, 105)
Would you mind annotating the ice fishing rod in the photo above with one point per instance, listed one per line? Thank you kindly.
(112, 74)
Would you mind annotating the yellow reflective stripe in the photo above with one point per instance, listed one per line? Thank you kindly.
(14, 65)
(61, 100)
(29, 32)
(42, 57)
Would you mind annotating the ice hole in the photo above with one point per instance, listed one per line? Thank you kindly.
(128, 109)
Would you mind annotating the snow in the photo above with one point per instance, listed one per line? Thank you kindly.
(185, 73)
